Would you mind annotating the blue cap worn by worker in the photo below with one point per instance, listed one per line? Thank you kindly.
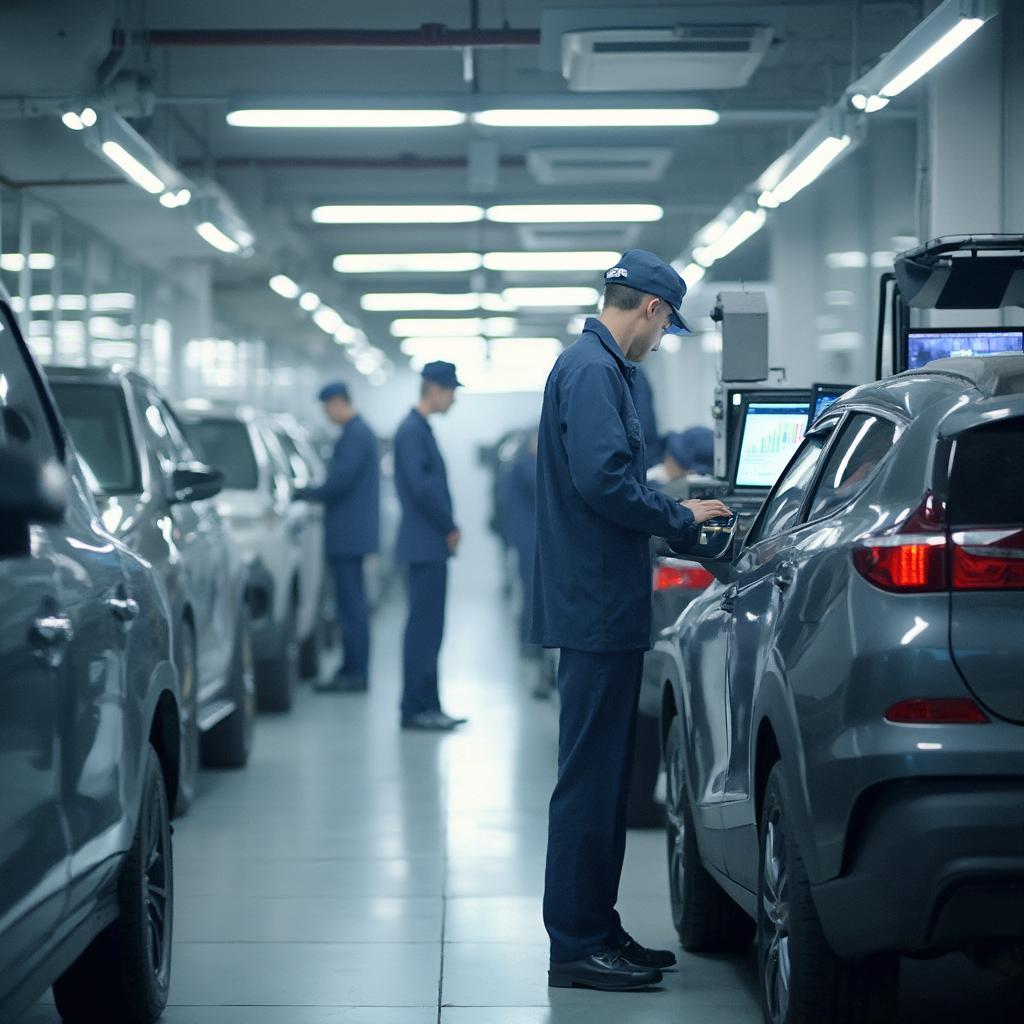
(647, 273)
(336, 389)
(693, 449)
(441, 373)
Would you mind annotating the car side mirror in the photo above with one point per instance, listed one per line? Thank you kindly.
(195, 481)
(715, 547)
(30, 492)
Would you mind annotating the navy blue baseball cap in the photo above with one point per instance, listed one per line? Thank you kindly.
(647, 273)
(441, 373)
(693, 449)
(336, 389)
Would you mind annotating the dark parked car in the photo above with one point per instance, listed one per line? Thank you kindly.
(89, 749)
(843, 711)
(156, 497)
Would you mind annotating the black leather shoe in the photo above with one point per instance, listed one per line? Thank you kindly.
(659, 959)
(429, 721)
(607, 970)
(449, 718)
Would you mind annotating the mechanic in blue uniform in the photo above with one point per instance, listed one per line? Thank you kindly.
(643, 399)
(351, 498)
(592, 600)
(427, 538)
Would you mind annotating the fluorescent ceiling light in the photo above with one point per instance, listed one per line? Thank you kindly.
(555, 261)
(284, 286)
(570, 213)
(452, 327)
(327, 319)
(14, 262)
(346, 334)
(397, 214)
(647, 117)
(558, 297)
(850, 260)
(869, 104)
(808, 170)
(407, 263)
(309, 301)
(693, 273)
(172, 200)
(106, 302)
(133, 169)
(448, 302)
(957, 35)
(345, 118)
(210, 233)
(746, 224)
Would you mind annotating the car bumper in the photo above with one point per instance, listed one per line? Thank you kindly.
(932, 865)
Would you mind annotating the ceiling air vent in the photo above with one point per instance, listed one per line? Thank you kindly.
(685, 57)
(581, 165)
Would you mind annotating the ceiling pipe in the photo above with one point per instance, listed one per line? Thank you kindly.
(424, 37)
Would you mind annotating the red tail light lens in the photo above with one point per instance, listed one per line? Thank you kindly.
(991, 559)
(945, 711)
(681, 577)
(907, 564)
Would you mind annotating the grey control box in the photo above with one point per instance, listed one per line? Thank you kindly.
(744, 321)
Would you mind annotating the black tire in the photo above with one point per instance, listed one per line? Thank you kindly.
(188, 677)
(801, 980)
(277, 677)
(642, 810)
(125, 973)
(229, 742)
(706, 918)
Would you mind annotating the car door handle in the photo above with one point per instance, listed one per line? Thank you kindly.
(784, 575)
(52, 631)
(124, 608)
(728, 602)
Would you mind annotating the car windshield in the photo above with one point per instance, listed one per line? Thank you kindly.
(96, 416)
(225, 445)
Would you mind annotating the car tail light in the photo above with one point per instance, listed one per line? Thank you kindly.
(914, 563)
(943, 711)
(990, 559)
(681, 577)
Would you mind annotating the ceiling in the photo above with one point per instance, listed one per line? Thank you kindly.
(276, 176)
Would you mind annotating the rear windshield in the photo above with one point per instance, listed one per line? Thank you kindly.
(225, 445)
(97, 420)
(987, 484)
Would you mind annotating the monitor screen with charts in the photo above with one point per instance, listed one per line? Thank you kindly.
(770, 433)
(924, 345)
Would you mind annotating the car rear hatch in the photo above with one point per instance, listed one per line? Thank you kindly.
(986, 552)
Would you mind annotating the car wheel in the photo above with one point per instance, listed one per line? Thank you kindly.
(277, 677)
(125, 973)
(228, 743)
(802, 980)
(188, 677)
(706, 918)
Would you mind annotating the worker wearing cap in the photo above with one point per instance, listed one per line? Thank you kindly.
(688, 453)
(427, 538)
(592, 599)
(351, 498)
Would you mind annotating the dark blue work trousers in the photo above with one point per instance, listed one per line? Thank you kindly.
(587, 817)
(352, 614)
(428, 586)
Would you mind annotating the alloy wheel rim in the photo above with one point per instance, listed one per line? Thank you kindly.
(775, 922)
(156, 879)
(677, 824)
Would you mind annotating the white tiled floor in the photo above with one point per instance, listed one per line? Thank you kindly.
(357, 875)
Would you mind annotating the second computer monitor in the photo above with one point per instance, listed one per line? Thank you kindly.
(926, 344)
(771, 429)
(823, 395)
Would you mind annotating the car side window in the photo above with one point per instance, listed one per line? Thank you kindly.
(782, 510)
(26, 420)
(864, 442)
(162, 431)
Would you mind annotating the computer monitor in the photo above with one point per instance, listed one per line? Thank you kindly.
(927, 343)
(823, 395)
(770, 432)
(735, 405)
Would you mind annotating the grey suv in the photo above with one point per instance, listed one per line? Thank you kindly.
(843, 711)
(89, 753)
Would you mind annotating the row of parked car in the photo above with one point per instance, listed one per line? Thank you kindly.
(157, 584)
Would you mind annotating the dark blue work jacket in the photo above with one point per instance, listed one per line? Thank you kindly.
(643, 399)
(422, 484)
(351, 494)
(595, 513)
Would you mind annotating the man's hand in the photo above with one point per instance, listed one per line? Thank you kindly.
(705, 509)
(453, 539)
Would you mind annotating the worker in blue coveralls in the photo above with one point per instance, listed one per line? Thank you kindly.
(592, 600)
(351, 498)
(427, 538)
(643, 399)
